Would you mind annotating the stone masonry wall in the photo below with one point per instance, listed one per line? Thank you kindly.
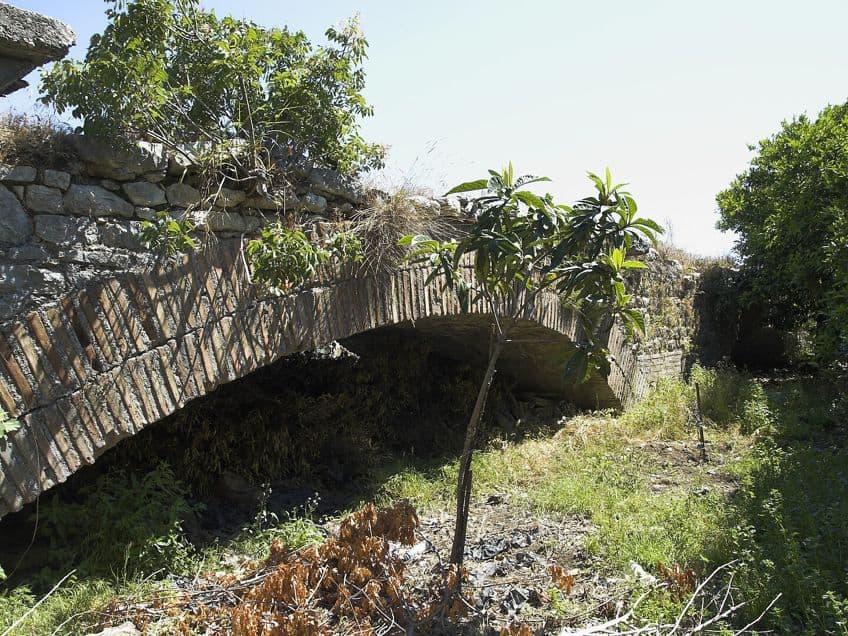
(64, 229)
(666, 295)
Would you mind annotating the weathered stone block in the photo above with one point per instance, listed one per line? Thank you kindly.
(271, 202)
(29, 252)
(155, 177)
(57, 179)
(17, 174)
(188, 158)
(104, 160)
(228, 198)
(331, 183)
(41, 198)
(182, 195)
(36, 280)
(144, 193)
(312, 203)
(65, 231)
(96, 201)
(15, 226)
(146, 214)
(218, 221)
(122, 234)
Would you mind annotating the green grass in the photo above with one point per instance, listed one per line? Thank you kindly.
(784, 522)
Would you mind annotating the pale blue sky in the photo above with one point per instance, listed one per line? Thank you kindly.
(667, 93)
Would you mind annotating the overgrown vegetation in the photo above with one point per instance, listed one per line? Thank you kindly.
(386, 219)
(172, 72)
(283, 258)
(790, 211)
(138, 528)
(321, 416)
(771, 500)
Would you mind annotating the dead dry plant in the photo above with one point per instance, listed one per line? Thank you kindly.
(39, 141)
(389, 217)
(709, 608)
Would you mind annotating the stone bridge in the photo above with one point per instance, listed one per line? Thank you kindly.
(99, 339)
(109, 360)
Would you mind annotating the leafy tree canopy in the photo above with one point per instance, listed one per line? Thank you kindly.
(171, 72)
(790, 209)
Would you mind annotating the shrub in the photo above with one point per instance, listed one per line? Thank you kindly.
(789, 212)
(121, 520)
(172, 72)
(284, 258)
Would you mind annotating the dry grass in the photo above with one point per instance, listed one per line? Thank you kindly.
(387, 219)
(693, 262)
(34, 140)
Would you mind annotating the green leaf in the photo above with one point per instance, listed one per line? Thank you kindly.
(529, 199)
(648, 223)
(528, 179)
(634, 320)
(469, 186)
(616, 258)
(7, 424)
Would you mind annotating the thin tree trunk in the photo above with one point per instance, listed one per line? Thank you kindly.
(463, 486)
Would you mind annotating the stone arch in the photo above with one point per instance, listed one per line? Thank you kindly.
(104, 362)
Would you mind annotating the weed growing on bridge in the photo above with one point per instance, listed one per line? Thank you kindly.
(283, 258)
(168, 235)
(8, 424)
(387, 219)
(34, 140)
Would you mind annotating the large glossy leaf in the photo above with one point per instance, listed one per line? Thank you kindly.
(469, 186)
(530, 199)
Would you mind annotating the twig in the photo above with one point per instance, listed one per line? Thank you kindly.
(698, 590)
(760, 617)
(699, 422)
(597, 629)
(702, 626)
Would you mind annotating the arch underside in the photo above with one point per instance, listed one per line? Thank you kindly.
(109, 360)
